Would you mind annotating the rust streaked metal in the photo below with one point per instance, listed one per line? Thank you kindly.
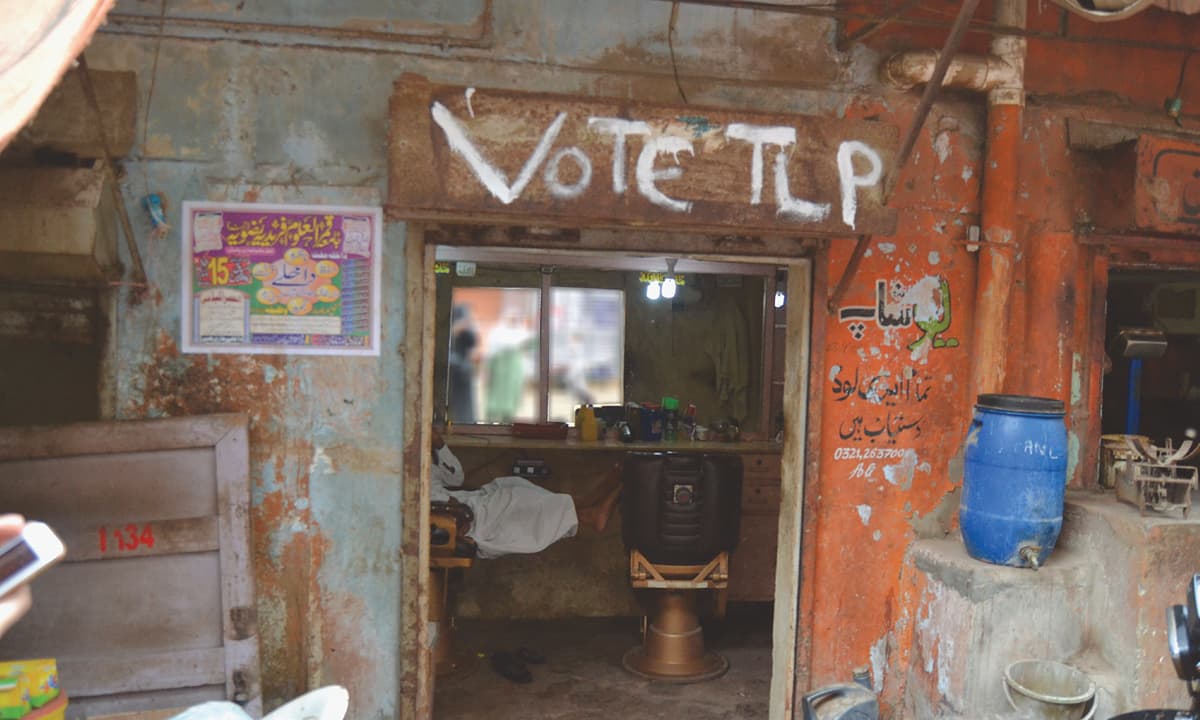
(1162, 183)
(871, 14)
(732, 248)
(537, 142)
(869, 29)
(355, 32)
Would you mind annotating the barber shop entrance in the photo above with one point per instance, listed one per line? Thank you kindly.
(607, 364)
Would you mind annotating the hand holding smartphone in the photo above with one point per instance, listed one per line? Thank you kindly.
(29, 550)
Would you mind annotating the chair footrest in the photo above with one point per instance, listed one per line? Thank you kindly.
(680, 584)
(713, 576)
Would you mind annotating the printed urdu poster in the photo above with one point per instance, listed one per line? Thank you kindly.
(286, 279)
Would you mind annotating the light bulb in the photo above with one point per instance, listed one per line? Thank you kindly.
(653, 291)
(780, 298)
(668, 288)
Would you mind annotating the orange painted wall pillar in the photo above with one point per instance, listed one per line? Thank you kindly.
(1000, 173)
(1000, 244)
(892, 398)
(1049, 334)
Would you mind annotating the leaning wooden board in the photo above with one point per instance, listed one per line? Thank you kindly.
(153, 607)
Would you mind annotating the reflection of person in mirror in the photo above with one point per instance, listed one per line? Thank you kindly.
(464, 358)
(506, 346)
(513, 515)
(574, 376)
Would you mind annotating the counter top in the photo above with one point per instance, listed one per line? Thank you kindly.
(501, 442)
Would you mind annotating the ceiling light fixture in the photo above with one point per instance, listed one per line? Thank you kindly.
(669, 285)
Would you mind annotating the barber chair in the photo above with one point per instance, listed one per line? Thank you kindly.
(679, 519)
(449, 548)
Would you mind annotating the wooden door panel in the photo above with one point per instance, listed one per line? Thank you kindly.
(145, 485)
(153, 606)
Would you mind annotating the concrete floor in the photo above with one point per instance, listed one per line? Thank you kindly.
(583, 678)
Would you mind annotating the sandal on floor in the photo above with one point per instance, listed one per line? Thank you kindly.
(532, 657)
(510, 667)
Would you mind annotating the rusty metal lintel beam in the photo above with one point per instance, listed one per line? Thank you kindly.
(1140, 239)
(206, 28)
(932, 89)
(985, 28)
(871, 28)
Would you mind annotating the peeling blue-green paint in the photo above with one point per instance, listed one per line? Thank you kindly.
(1072, 453)
(1076, 379)
(699, 125)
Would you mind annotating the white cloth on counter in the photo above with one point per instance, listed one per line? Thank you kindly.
(512, 515)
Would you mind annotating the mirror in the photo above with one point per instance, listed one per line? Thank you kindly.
(604, 330)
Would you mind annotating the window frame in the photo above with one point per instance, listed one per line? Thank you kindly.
(548, 261)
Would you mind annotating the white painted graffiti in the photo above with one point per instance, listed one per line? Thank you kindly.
(926, 304)
(1032, 447)
(868, 453)
(650, 171)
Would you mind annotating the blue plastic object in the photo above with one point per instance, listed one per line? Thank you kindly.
(1133, 411)
(157, 209)
(652, 424)
(1014, 480)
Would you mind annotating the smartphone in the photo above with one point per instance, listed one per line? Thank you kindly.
(27, 555)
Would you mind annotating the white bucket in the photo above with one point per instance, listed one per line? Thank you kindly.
(1047, 690)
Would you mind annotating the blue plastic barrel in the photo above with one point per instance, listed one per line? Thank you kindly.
(1014, 479)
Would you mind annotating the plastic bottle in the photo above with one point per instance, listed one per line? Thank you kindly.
(652, 422)
(670, 408)
(585, 424)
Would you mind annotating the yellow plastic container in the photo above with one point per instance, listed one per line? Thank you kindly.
(14, 697)
(56, 709)
(586, 425)
(42, 674)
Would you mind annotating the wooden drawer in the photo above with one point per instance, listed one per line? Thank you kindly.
(760, 495)
(755, 466)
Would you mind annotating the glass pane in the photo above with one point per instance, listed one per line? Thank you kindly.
(493, 368)
(586, 349)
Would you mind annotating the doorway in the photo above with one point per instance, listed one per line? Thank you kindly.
(791, 394)
(1155, 391)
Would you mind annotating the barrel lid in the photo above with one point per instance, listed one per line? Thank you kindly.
(1021, 403)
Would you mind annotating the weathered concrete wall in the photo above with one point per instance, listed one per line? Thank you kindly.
(294, 109)
(1098, 604)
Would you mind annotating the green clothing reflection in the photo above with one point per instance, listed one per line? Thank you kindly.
(506, 380)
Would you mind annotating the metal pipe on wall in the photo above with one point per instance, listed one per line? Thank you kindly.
(906, 70)
(996, 256)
